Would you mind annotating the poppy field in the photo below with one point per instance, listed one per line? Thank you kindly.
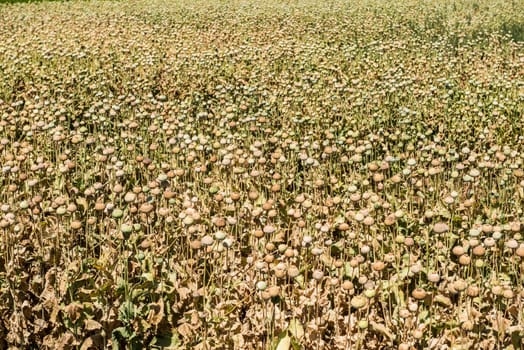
(276, 175)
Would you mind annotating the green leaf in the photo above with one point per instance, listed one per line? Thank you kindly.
(516, 339)
(284, 343)
(423, 315)
(348, 270)
(443, 300)
(300, 280)
(403, 273)
(294, 344)
(119, 334)
(260, 200)
(148, 276)
(296, 329)
(166, 341)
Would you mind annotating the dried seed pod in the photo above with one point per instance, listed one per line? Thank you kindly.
(489, 242)
(118, 188)
(473, 242)
(146, 208)
(418, 293)
(362, 279)
(378, 177)
(207, 240)
(129, 197)
(460, 285)
(269, 258)
(479, 250)
(368, 221)
(347, 285)
(363, 324)
(412, 307)
(467, 325)
(343, 226)
(280, 273)
(196, 244)
(418, 334)
(458, 250)
(275, 187)
(273, 291)
(75, 225)
(270, 246)
(354, 262)
(433, 277)
(497, 290)
(269, 229)
(508, 294)
(219, 222)
(293, 271)
(440, 227)
(317, 251)
(512, 244)
(464, 259)
(267, 205)
(318, 275)
(99, 206)
(390, 220)
(289, 253)
(473, 291)
(261, 285)
(520, 251)
(404, 313)
(378, 266)
(146, 244)
(370, 293)
(358, 301)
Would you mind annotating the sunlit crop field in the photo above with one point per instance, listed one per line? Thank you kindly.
(275, 175)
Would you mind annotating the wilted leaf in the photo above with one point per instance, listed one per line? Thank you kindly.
(156, 313)
(185, 330)
(183, 292)
(67, 341)
(92, 325)
(441, 299)
(81, 201)
(92, 342)
(380, 328)
(73, 311)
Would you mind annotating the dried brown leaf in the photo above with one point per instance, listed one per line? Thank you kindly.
(92, 325)
(156, 313)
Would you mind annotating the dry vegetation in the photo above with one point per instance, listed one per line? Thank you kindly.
(262, 175)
